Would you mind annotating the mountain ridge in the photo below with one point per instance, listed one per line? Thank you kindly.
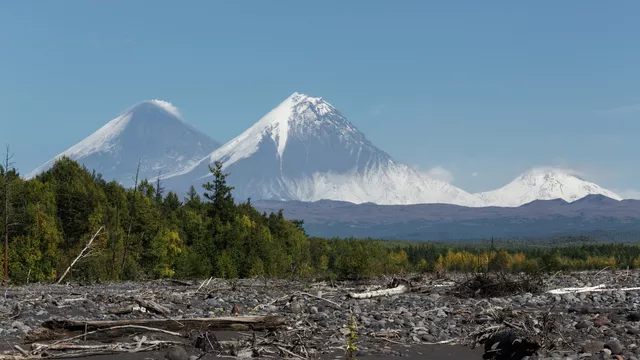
(302, 149)
(306, 149)
(433, 222)
(152, 131)
(544, 183)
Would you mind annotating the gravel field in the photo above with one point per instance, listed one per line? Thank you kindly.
(598, 319)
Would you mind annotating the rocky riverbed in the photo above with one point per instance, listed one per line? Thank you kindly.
(598, 319)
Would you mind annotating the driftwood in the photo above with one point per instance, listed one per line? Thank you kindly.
(81, 255)
(369, 294)
(123, 310)
(143, 305)
(152, 305)
(42, 351)
(61, 329)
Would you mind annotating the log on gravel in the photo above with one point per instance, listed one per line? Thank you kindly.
(152, 305)
(385, 292)
(62, 328)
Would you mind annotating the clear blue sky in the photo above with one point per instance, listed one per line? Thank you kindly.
(484, 88)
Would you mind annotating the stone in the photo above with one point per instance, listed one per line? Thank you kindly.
(615, 346)
(592, 347)
(177, 353)
(583, 325)
(428, 338)
(633, 316)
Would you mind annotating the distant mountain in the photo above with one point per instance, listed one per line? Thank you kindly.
(152, 131)
(543, 184)
(305, 149)
(594, 214)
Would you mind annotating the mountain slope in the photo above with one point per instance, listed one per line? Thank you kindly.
(305, 149)
(543, 184)
(593, 215)
(152, 131)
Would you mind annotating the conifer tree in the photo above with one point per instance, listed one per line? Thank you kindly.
(219, 194)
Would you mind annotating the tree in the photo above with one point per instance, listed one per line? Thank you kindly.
(131, 215)
(7, 165)
(192, 199)
(219, 193)
(500, 262)
(159, 190)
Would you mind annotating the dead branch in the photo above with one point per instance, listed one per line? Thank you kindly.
(81, 255)
(123, 310)
(152, 305)
(59, 329)
(393, 291)
(320, 298)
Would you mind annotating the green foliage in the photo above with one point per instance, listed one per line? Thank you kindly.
(500, 262)
(55, 214)
(351, 338)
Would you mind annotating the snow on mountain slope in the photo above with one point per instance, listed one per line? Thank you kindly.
(152, 131)
(543, 184)
(305, 149)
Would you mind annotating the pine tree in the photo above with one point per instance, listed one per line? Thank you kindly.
(159, 190)
(219, 194)
(192, 199)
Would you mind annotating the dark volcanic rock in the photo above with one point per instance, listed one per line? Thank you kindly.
(177, 353)
(418, 318)
(614, 346)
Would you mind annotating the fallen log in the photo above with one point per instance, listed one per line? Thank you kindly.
(152, 305)
(369, 294)
(123, 310)
(62, 328)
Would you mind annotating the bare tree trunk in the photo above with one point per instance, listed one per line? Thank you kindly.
(133, 208)
(7, 164)
(115, 240)
(159, 188)
(369, 294)
(80, 256)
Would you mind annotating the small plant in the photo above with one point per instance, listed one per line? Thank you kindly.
(351, 338)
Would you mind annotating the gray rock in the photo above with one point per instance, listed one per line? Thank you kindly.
(212, 302)
(592, 347)
(583, 325)
(428, 338)
(615, 346)
(297, 307)
(177, 353)
(20, 326)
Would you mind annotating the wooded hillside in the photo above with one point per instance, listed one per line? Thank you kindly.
(150, 233)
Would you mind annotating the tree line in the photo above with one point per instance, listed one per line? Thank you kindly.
(150, 234)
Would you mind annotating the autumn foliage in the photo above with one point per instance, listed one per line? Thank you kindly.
(150, 234)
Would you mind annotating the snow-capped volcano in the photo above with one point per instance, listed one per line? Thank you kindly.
(544, 184)
(152, 131)
(305, 149)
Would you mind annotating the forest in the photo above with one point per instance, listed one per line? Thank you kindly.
(147, 233)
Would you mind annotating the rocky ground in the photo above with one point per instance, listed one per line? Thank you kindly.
(600, 323)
